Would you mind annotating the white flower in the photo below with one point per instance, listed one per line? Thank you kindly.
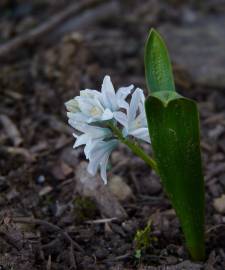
(89, 112)
(135, 122)
(99, 156)
(72, 106)
(111, 99)
(93, 106)
(89, 136)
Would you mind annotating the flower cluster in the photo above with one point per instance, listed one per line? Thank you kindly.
(93, 113)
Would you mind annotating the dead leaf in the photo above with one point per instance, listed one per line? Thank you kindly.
(11, 130)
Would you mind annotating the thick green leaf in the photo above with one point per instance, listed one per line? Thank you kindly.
(158, 69)
(174, 131)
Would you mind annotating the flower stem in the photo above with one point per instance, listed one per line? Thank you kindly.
(135, 148)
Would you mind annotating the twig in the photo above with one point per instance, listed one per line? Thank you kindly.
(49, 225)
(103, 220)
(35, 34)
(19, 151)
(118, 258)
(51, 244)
(72, 259)
(49, 263)
(213, 228)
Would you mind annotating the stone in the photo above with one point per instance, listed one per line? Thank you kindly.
(45, 190)
(171, 260)
(215, 190)
(93, 187)
(219, 204)
(101, 253)
(150, 185)
(216, 132)
(120, 189)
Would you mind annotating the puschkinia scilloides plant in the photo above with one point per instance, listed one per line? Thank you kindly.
(103, 119)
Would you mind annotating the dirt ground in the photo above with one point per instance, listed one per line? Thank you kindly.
(50, 219)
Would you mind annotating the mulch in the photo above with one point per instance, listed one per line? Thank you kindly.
(45, 221)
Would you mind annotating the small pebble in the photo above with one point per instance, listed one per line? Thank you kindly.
(171, 260)
(120, 189)
(215, 190)
(219, 204)
(101, 253)
(45, 190)
(41, 179)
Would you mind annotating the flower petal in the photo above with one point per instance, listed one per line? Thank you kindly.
(122, 94)
(139, 122)
(90, 93)
(88, 147)
(108, 94)
(125, 132)
(90, 106)
(94, 132)
(99, 153)
(134, 103)
(72, 106)
(93, 165)
(75, 118)
(121, 118)
(103, 167)
(107, 115)
(141, 133)
(82, 139)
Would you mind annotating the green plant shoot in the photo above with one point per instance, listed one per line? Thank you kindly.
(142, 240)
(173, 124)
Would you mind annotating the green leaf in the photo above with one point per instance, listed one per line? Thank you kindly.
(158, 70)
(174, 130)
(143, 238)
(137, 254)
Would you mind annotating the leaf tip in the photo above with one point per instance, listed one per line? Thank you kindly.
(158, 68)
(154, 34)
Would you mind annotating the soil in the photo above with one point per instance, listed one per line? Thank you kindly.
(47, 221)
